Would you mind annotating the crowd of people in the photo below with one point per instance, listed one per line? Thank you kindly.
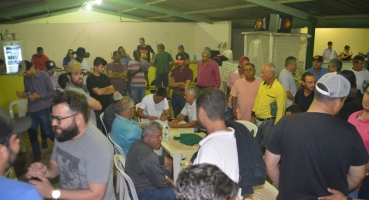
(320, 150)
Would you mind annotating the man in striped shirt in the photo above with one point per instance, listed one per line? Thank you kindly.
(138, 70)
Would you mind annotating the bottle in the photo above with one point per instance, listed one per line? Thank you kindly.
(166, 134)
(194, 57)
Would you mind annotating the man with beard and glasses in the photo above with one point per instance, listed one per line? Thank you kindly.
(38, 89)
(82, 157)
(9, 148)
(75, 77)
(305, 96)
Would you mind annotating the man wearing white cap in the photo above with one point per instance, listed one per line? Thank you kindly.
(111, 111)
(319, 150)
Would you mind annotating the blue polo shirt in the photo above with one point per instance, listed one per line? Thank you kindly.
(125, 132)
(318, 76)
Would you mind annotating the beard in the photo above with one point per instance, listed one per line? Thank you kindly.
(68, 133)
(77, 82)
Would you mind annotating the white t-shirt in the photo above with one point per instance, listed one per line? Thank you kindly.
(190, 111)
(329, 55)
(361, 76)
(219, 148)
(150, 108)
(286, 79)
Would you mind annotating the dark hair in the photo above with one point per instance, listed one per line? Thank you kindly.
(2, 62)
(336, 63)
(294, 109)
(63, 80)
(357, 58)
(142, 39)
(347, 47)
(161, 92)
(213, 101)
(39, 49)
(330, 43)
(161, 46)
(350, 75)
(205, 182)
(69, 51)
(136, 52)
(76, 101)
(304, 75)
(27, 63)
(289, 60)
(99, 61)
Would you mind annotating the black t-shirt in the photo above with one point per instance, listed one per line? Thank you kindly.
(184, 54)
(316, 152)
(99, 82)
(145, 52)
(351, 105)
(303, 101)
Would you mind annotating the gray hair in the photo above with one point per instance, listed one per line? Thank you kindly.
(271, 68)
(336, 63)
(289, 60)
(151, 127)
(125, 104)
(161, 46)
(206, 50)
(192, 90)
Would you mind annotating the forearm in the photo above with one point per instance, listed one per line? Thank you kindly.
(192, 124)
(273, 173)
(52, 170)
(290, 96)
(142, 116)
(234, 102)
(80, 194)
(111, 90)
(175, 84)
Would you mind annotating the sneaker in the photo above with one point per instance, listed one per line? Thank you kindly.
(44, 144)
(36, 158)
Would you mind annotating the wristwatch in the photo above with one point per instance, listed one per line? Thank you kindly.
(55, 194)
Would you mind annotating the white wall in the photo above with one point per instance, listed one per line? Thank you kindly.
(101, 39)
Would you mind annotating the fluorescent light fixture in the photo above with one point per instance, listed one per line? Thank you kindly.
(98, 1)
(88, 7)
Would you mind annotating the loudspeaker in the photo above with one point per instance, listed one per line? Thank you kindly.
(262, 24)
(285, 24)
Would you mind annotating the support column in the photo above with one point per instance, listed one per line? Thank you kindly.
(310, 45)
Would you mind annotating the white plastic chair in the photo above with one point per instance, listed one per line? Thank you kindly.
(249, 125)
(102, 122)
(117, 148)
(266, 191)
(22, 106)
(123, 179)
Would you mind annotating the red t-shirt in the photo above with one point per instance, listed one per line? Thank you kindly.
(39, 62)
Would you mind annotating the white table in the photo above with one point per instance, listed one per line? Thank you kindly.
(180, 153)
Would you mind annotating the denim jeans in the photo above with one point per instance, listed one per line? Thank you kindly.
(41, 117)
(264, 128)
(156, 194)
(162, 80)
(229, 114)
(178, 103)
(129, 81)
(138, 93)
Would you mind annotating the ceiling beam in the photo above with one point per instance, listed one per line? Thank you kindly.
(161, 10)
(122, 15)
(149, 3)
(26, 19)
(40, 8)
(283, 8)
(228, 8)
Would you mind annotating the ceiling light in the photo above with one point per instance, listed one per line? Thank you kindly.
(88, 6)
(98, 1)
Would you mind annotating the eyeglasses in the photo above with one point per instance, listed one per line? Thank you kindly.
(58, 119)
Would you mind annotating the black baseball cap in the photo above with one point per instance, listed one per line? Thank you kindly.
(9, 126)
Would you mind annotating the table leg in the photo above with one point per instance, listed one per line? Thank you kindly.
(177, 157)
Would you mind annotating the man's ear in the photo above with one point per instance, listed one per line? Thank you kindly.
(79, 118)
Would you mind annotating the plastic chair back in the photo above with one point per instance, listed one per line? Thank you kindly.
(124, 182)
(117, 148)
(249, 125)
(102, 122)
(22, 107)
(266, 191)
